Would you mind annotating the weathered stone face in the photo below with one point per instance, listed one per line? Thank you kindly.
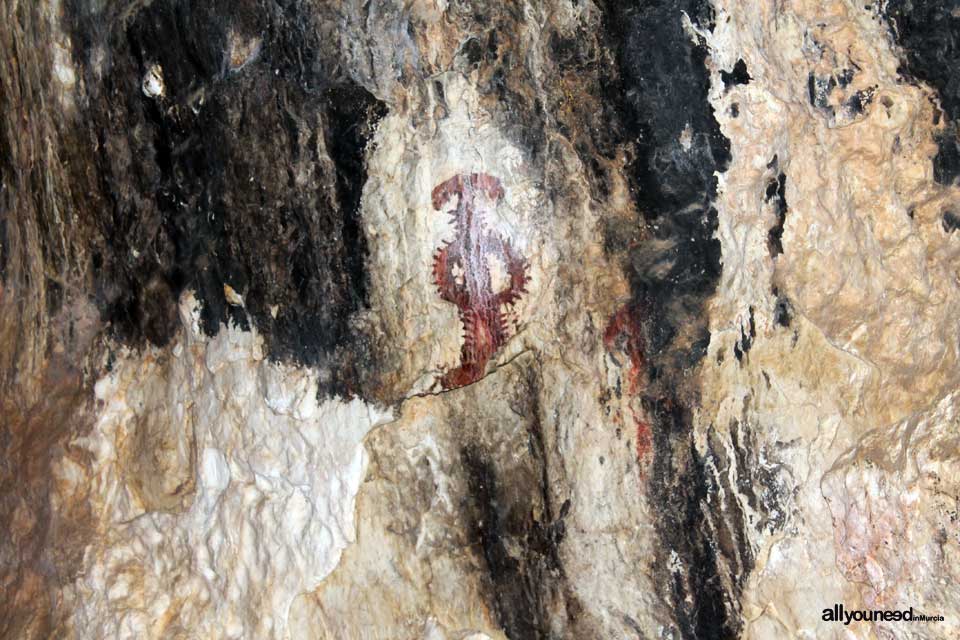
(449, 320)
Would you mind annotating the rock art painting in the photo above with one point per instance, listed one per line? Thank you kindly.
(478, 320)
(463, 270)
(624, 335)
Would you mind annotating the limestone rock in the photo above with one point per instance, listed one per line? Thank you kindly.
(463, 320)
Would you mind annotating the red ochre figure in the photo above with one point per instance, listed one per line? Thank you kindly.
(461, 271)
(625, 333)
(624, 328)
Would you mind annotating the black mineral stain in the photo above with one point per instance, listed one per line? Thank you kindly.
(782, 310)
(4, 250)
(521, 552)
(54, 297)
(487, 527)
(473, 51)
(951, 221)
(683, 488)
(569, 51)
(818, 90)
(760, 482)
(737, 76)
(946, 164)
(503, 72)
(928, 31)
(747, 335)
(777, 192)
(156, 318)
(729, 532)
(659, 88)
(845, 77)
(243, 176)
(859, 101)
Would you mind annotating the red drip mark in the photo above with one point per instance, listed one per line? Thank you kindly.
(624, 333)
(644, 438)
(461, 271)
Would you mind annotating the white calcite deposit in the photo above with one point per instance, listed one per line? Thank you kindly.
(222, 486)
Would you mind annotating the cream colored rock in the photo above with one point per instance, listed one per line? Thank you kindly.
(893, 499)
(223, 489)
(870, 358)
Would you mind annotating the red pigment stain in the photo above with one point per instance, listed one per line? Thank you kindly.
(461, 271)
(644, 438)
(624, 333)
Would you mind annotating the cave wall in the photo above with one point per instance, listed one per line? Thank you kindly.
(449, 320)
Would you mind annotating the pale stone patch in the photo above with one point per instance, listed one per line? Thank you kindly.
(267, 476)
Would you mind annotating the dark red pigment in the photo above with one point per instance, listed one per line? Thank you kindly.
(624, 333)
(461, 271)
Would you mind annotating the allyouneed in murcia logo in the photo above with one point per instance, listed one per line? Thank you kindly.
(838, 613)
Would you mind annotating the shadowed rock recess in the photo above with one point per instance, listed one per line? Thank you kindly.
(470, 320)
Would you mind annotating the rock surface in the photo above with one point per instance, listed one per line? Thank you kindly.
(464, 320)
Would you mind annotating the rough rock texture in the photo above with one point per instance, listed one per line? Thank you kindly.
(220, 483)
(463, 319)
